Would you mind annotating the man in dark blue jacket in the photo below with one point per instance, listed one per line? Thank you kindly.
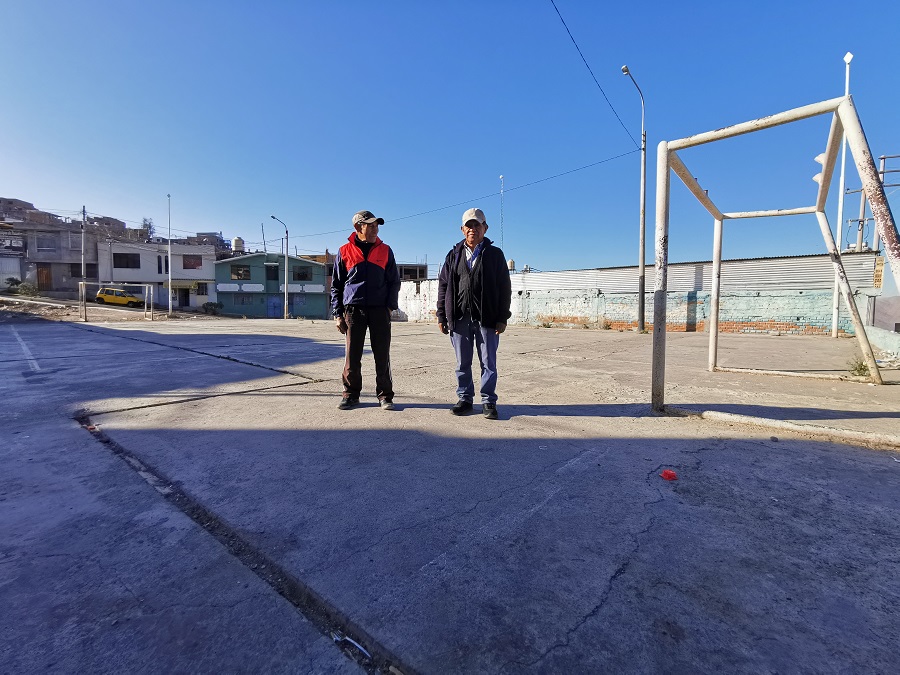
(474, 295)
(365, 285)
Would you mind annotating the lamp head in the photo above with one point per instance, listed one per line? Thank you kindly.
(625, 70)
(848, 57)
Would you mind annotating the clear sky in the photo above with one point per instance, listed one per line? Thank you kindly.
(314, 110)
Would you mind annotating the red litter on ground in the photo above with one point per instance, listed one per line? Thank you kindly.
(668, 474)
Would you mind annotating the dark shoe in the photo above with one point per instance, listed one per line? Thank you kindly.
(489, 410)
(461, 407)
(348, 402)
(386, 404)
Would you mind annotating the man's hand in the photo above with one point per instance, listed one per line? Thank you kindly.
(341, 324)
(500, 327)
(443, 328)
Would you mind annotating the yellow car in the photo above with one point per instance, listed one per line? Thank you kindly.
(116, 296)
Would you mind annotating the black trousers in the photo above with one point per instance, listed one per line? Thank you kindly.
(377, 320)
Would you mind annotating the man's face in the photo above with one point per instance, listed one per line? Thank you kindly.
(367, 232)
(474, 231)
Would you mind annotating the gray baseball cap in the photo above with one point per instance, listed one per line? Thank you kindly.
(366, 217)
(474, 214)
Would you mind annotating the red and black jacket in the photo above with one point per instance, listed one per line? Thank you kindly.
(371, 281)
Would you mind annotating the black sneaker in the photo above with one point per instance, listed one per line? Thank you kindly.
(348, 402)
(461, 407)
(489, 410)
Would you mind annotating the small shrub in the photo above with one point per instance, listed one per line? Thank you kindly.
(858, 367)
(547, 324)
(211, 307)
(605, 325)
(13, 282)
(27, 289)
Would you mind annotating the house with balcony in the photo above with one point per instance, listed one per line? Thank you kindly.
(252, 285)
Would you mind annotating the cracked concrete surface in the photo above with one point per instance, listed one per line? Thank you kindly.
(543, 542)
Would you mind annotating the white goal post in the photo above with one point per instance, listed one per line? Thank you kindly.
(845, 121)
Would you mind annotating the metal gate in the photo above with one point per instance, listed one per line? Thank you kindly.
(275, 306)
(10, 267)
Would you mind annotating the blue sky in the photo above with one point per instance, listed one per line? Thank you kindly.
(314, 110)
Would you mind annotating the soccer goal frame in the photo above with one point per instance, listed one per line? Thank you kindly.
(845, 122)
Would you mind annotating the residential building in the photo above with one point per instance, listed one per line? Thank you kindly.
(193, 269)
(47, 248)
(252, 285)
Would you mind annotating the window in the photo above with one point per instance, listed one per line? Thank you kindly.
(75, 240)
(46, 241)
(129, 261)
(75, 270)
(202, 289)
(240, 272)
(271, 273)
(159, 264)
(301, 273)
(167, 264)
(243, 299)
(191, 262)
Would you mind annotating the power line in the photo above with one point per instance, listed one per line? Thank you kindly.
(592, 74)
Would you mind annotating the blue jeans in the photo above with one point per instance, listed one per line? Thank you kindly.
(466, 335)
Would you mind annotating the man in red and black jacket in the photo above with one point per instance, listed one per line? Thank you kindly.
(365, 285)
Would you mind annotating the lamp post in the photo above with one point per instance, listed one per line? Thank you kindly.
(835, 300)
(169, 254)
(643, 236)
(285, 265)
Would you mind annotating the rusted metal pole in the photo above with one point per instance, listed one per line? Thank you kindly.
(769, 214)
(658, 376)
(714, 299)
(801, 113)
(691, 183)
(885, 225)
(858, 327)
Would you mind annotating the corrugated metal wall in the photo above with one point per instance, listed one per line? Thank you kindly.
(791, 273)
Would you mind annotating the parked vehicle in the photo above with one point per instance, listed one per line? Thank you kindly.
(116, 296)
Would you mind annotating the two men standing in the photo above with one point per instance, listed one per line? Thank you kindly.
(474, 295)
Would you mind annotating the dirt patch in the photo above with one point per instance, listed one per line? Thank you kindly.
(15, 310)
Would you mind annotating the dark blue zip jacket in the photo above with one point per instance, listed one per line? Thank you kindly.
(496, 288)
(372, 281)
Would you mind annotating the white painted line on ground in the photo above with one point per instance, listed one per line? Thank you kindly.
(28, 355)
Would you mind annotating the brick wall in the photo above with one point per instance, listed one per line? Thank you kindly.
(799, 312)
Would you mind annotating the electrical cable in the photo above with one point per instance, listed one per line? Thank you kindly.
(593, 76)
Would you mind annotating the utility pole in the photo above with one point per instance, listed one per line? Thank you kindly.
(83, 266)
(169, 197)
(501, 211)
(286, 268)
(836, 297)
(642, 238)
(286, 249)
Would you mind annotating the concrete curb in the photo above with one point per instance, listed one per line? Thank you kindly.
(868, 440)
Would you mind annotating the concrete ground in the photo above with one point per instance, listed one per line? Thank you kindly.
(185, 496)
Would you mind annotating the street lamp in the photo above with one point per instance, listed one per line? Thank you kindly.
(835, 299)
(169, 254)
(643, 235)
(285, 265)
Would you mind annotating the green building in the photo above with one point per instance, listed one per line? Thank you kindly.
(252, 285)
